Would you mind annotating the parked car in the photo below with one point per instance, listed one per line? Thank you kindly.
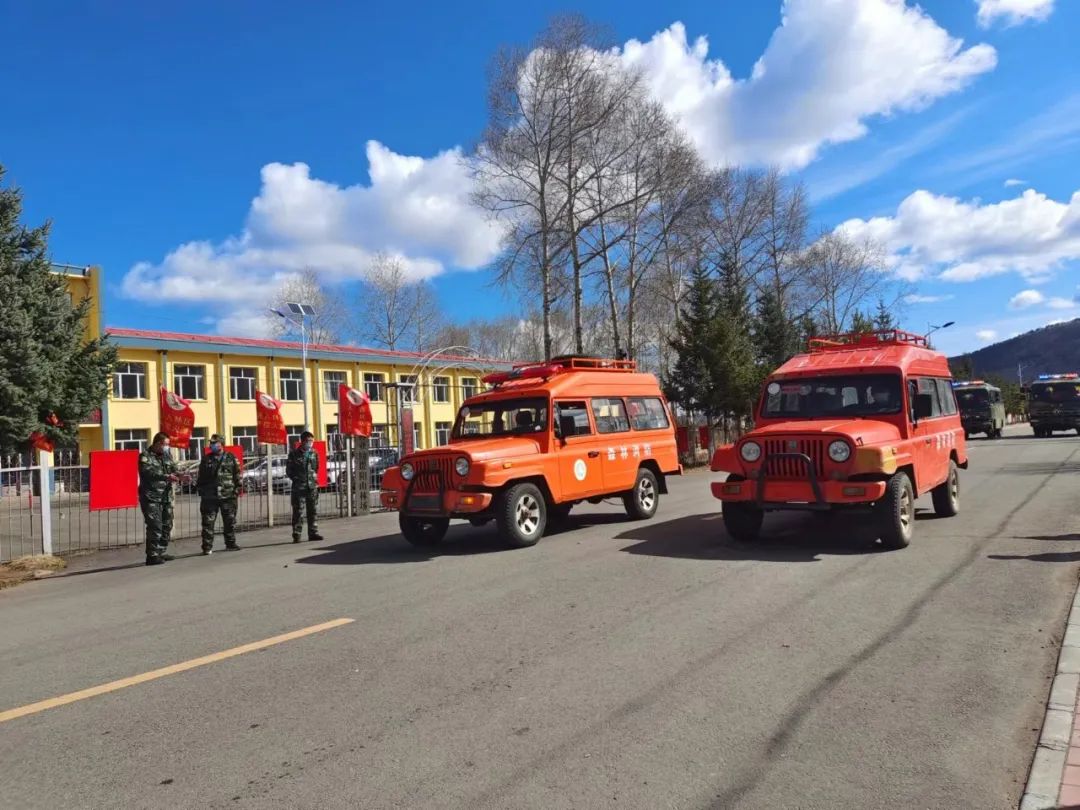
(253, 478)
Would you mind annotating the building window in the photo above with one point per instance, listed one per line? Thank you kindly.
(129, 381)
(292, 384)
(418, 436)
(442, 433)
(331, 381)
(242, 384)
(197, 445)
(190, 381)
(440, 389)
(373, 385)
(131, 439)
(246, 438)
(408, 390)
(379, 436)
(469, 387)
(292, 433)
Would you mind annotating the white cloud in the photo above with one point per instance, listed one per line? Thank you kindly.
(827, 69)
(1061, 303)
(415, 208)
(1014, 182)
(1013, 12)
(963, 241)
(926, 299)
(1026, 299)
(986, 335)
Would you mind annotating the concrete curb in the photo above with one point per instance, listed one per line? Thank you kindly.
(1045, 781)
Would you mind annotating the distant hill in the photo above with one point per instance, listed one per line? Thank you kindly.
(1050, 350)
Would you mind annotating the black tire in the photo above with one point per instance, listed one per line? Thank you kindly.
(643, 500)
(423, 532)
(743, 522)
(896, 512)
(946, 496)
(521, 515)
(479, 521)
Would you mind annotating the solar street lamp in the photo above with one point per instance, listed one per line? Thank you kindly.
(304, 311)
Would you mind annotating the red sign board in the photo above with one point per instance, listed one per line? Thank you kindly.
(320, 450)
(114, 479)
(408, 435)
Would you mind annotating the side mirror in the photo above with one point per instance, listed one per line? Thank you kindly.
(924, 406)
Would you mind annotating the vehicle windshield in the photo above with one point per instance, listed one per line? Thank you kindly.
(1055, 392)
(972, 397)
(841, 395)
(502, 417)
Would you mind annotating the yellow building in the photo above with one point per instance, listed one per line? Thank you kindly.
(220, 375)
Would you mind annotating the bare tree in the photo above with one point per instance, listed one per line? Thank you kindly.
(845, 275)
(330, 321)
(783, 234)
(394, 312)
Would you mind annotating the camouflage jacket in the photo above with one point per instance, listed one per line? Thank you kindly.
(154, 472)
(303, 469)
(219, 476)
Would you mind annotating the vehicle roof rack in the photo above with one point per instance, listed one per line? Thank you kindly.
(866, 340)
(558, 365)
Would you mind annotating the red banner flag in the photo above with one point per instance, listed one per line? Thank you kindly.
(270, 428)
(354, 412)
(177, 418)
(39, 441)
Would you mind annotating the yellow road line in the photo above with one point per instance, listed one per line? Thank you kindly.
(112, 686)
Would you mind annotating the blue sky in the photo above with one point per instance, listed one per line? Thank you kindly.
(165, 144)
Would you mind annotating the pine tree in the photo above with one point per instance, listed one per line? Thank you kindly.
(46, 365)
(737, 373)
(883, 318)
(692, 382)
(777, 338)
(861, 324)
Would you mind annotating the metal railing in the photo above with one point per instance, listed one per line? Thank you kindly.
(58, 519)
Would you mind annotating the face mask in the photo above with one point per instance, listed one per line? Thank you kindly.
(215, 448)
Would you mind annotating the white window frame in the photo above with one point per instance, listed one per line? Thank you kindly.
(235, 379)
(127, 370)
(470, 387)
(197, 445)
(375, 386)
(330, 387)
(136, 439)
(442, 433)
(440, 389)
(410, 384)
(247, 438)
(295, 382)
(183, 374)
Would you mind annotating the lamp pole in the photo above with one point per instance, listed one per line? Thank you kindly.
(303, 310)
(930, 328)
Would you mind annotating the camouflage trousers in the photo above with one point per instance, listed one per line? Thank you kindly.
(208, 509)
(305, 500)
(159, 519)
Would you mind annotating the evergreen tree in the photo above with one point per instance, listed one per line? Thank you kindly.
(861, 324)
(776, 336)
(692, 382)
(962, 368)
(736, 371)
(46, 365)
(883, 318)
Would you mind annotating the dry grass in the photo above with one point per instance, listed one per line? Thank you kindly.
(32, 566)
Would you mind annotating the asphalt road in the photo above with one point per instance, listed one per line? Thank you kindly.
(645, 665)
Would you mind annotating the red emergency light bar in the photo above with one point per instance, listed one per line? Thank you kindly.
(866, 340)
(557, 365)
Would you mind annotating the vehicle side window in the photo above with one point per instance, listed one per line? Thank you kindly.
(647, 413)
(946, 397)
(610, 416)
(573, 419)
(928, 385)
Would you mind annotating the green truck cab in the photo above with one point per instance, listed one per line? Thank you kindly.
(982, 409)
(1054, 403)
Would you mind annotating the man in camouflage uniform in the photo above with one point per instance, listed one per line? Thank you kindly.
(303, 471)
(157, 474)
(218, 486)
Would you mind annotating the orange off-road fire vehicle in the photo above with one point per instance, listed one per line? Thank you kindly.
(542, 439)
(866, 420)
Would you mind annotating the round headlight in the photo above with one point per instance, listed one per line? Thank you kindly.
(839, 451)
(750, 451)
(461, 466)
(407, 472)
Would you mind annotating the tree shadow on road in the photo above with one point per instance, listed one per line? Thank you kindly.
(1046, 556)
(785, 538)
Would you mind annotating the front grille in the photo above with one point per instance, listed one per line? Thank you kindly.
(433, 474)
(793, 467)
